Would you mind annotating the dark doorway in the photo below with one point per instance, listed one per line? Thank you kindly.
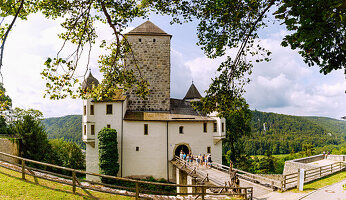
(181, 147)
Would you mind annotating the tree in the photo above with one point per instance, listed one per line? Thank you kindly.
(5, 100)
(237, 126)
(67, 154)
(108, 153)
(317, 29)
(34, 142)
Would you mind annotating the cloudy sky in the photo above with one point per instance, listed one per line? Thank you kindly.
(284, 85)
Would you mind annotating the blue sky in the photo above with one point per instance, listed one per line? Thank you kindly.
(283, 85)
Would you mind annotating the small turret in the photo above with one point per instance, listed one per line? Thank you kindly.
(89, 82)
(192, 94)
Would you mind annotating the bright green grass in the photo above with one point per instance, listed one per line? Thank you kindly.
(328, 180)
(278, 156)
(13, 187)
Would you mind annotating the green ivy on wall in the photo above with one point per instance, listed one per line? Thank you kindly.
(108, 153)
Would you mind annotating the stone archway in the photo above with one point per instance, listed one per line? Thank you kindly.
(184, 147)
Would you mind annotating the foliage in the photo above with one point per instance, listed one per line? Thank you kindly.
(222, 25)
(108, 153)
(67, 154)
(4, 128)
(237, 126)
(318, 30)
(283, 134)
(68, 128)
(34, 142)
(5, 100)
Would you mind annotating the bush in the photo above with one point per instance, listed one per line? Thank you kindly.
(108, 153)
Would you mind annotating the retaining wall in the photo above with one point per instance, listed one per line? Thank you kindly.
(10, 146)
(336, 157)
(292, 166)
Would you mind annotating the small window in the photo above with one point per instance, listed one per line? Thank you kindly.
(109, 109)
(181, 129)
(204, 127)
(91, 109)
(84, 110)
(84, 130)
(108, 126)
(208, 150)
(223, 127)
(139, 40)
(137, 148)
(145, 129)
(154, 40)
(215, 127)
(92, 132)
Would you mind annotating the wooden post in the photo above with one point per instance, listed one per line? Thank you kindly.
(284, 186)
(74, 182)
(320, 171)
(23, 169)
(203, 192)
(137, 191)
(245, 194)
(331, 168)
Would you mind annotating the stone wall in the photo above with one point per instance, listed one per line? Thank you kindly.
(9, 146)
(292, 166)
(152, 54)
(336, 157)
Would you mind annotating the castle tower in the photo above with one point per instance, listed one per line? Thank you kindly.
(151, 48)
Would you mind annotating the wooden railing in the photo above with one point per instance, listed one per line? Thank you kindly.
(291, 180)
(200, 190)
(272, 183)
(241, 191)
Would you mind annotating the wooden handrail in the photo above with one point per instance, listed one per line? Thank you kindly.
(77, 183)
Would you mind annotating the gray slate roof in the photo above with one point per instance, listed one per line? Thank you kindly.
(179, 106)
(147, 28)
(89, 81)
(192, 93)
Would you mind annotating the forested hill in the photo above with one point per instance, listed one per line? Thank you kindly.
(284, 133)
(68, 128)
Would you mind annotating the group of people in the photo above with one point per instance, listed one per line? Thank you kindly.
(201, 160)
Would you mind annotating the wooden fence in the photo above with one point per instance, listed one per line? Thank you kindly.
(291, 180)
(202, 191)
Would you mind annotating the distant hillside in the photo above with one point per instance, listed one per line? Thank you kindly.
(331, 125)
(277, 132)
(285, 133)
(68, 128)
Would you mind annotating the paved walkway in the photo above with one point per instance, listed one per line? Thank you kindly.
(323, 162)
(331, 192)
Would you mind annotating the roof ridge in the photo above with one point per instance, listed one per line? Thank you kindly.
(147, 28)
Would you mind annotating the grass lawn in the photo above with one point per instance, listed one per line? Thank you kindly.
(328, 180)
(278, 156)
(13, 187)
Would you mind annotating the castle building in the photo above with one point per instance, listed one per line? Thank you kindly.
(150, 131)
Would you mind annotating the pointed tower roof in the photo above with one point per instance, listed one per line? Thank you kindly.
(192, 93)
(89, 81)
(147, 28)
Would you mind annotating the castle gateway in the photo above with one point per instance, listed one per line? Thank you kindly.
(152, 131)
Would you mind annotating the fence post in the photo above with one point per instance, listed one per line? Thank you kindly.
(74, 182)
(203, 193)
(320, 171)
(23, 169)
(246, 194)
(284, 187)
(331, 168)
(137, 191)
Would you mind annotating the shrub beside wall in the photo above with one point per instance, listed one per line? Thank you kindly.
(108, 153)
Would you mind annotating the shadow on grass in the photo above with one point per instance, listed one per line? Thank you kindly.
(85, 196)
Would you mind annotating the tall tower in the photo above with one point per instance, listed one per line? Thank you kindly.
(151, 48)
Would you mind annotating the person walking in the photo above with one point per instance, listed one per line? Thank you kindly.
(181, 154)
(209, 160)
(184, 156)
